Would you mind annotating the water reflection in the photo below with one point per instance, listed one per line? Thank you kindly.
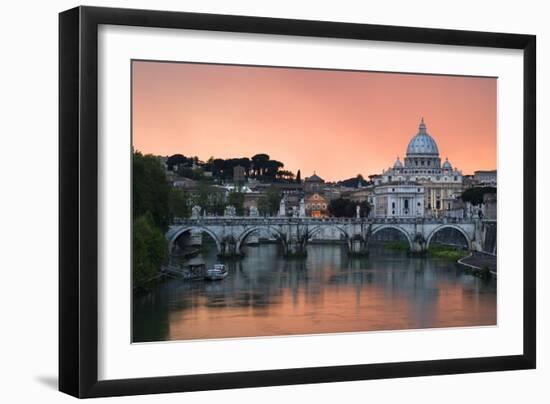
(265, 294)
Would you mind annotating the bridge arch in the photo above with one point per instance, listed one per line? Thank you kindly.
(394, 227)
(183, 230)
(447, 226)
(318, 228)
(275, 232)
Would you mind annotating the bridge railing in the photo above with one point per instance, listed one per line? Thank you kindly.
(211, 220)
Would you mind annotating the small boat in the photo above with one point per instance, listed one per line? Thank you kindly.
(216, 273)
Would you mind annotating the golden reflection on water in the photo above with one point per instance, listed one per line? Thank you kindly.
(265, 296)
(340, 309)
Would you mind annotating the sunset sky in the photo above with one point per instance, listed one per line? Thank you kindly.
(336, 123)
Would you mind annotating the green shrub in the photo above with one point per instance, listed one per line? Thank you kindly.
(149, 249)
(446, 252)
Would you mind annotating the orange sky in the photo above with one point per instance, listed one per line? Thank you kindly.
(335, 122)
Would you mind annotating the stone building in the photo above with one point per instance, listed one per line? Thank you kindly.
(316, 205)
(490, 206)
(486, 178)
(361, 195)
(399, 200)
(422, 165)
(314, 184)
(238, 175)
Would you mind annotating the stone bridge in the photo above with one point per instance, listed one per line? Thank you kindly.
(231, 232)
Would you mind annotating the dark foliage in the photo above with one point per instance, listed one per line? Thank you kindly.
(151, 191)
(149, 250)
(345, 208)
(268, 204)
(475, 195)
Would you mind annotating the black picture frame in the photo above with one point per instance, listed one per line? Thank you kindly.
(78, 201)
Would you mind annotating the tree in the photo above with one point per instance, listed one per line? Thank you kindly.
(259, 163)
(365, 209)
(176, 159)
(150, 190)
(179, 203)
(341, 208)
(268, 204)
(345, 208)
(187, 172)
(285, 175)
(475, 195)
(202, 197)
(236, 199)
(299, 177)
(271, 169)
(149, 250)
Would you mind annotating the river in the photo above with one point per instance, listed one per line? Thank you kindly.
(267, 295)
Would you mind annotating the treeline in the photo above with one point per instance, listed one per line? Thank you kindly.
(259, 166)
(214, 202)
(154, 204)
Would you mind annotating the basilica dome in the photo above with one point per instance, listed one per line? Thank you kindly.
(447, 165)
(422, 143)
(397, 164)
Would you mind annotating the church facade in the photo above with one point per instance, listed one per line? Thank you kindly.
(421, 169)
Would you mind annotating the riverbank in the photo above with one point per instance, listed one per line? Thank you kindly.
(479, 261)
(446, 252)
(436, 250)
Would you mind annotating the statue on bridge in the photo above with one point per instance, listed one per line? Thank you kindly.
(282, 207)
(196, 212)
(302, 212)
(358, 212)
(230, 210)
(254, 211)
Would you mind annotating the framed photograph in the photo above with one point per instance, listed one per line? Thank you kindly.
(250, 201)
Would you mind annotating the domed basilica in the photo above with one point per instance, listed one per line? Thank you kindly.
(421, 174)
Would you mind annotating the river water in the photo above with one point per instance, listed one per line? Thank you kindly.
(267, 295)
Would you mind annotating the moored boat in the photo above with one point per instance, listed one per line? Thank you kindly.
(216, 273)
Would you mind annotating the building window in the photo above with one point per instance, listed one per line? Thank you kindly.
(456, 178)
(393, 189)
(418, 204)
(429, 162)
(393, 205)
(406, 204)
